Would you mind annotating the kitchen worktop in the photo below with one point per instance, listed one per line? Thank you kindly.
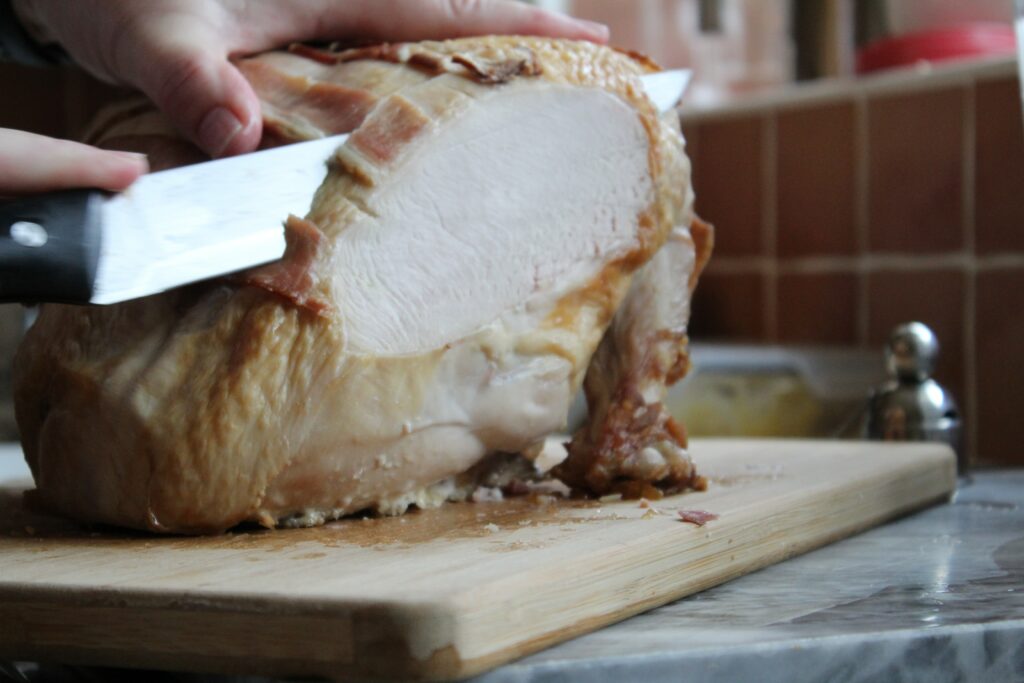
(938, 596)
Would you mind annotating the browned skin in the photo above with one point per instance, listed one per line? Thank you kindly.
(493, 71)
(605, 455)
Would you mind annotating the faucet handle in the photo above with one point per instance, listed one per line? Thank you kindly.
(911, 353)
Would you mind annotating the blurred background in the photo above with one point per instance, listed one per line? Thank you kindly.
(863, 163)
(737, 47)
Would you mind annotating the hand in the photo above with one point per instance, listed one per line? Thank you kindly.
(177, 51)
(35, 163)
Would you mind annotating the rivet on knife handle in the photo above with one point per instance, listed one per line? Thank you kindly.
(49, 247)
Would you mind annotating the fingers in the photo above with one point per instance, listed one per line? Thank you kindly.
(204, 95)
(180, 61)
(397, 20)
(177, 51)
(35, 163)
(210, 101)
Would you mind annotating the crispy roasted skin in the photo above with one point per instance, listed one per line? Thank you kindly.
(631, 444)
(247, 399)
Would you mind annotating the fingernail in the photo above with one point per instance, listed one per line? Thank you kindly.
(141, 161)
(132, 156)
(217, 130)
(596, 29)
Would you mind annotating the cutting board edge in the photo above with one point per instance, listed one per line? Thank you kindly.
(443, 663)
(346, 646)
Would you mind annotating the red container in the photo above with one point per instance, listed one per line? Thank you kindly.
(937, 45)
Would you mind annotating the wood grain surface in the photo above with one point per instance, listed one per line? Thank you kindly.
(441, 593)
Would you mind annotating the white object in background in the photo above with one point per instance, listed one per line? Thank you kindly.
(752, 50)
(734, 46)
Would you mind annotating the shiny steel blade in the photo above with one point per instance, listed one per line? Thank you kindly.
(665, 88)
(175, 227)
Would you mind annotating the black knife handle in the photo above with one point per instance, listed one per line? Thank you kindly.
(50, 246)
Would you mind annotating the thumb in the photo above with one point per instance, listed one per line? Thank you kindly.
(205, 96)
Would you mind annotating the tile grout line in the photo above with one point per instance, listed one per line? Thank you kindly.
(862, 180)
(817, 265)
(970, 331)
(769, 223)
(898, 82)
(1004, 261)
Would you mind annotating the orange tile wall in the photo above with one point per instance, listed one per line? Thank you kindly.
(846, 211)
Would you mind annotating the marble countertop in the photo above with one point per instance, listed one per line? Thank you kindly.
(937, 596)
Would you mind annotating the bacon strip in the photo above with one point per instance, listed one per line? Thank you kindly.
(493, 69)
(299, 108)
(291, 277)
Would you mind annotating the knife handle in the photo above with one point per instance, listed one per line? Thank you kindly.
(50, 247)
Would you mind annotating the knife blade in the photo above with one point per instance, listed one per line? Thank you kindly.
(179, 226)
(665, 88)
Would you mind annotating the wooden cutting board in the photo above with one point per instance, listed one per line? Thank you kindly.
(442, 593)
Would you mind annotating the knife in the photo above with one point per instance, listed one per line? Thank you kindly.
(175, 227)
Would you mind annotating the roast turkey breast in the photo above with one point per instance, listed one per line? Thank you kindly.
(501, 205)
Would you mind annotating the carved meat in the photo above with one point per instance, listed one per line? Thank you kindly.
(441, 301)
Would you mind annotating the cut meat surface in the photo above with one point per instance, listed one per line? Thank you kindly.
(502, 205)
(512, 234)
